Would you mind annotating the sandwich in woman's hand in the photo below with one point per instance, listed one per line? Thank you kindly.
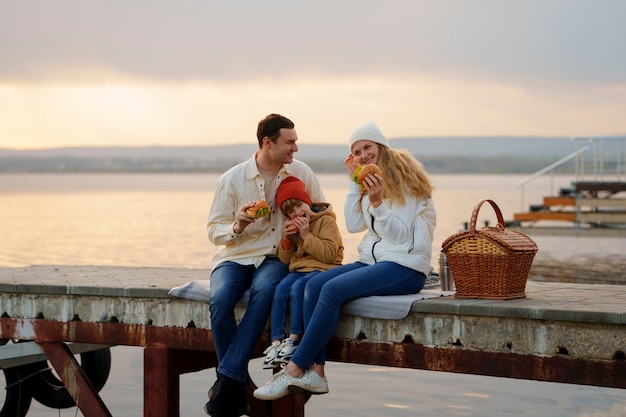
(259, 209)
(363, 171)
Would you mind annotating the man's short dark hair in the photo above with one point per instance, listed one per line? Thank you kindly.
(270, 126)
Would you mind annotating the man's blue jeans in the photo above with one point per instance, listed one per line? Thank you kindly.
(289, 292)
(326, 293)
(229, 281)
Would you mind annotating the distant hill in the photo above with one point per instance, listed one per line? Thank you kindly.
(441, 146)
(485, 146)
(442, 154)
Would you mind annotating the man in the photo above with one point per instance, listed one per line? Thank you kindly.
(248, 256)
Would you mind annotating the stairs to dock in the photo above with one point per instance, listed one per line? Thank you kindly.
(591, 207)
(584, 204)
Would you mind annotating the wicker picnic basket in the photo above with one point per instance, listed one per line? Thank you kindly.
(492, 262)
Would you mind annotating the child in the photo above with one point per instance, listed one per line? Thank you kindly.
(310, 243)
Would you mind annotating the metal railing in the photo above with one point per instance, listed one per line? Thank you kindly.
(608, 158)
(549, 169)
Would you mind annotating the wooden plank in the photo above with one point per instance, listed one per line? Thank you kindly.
(613, 218)
(564, 230)
(559, 201)
(601, 202)
(602, 217)
(595, 186)
(584, 202)
(545, 215)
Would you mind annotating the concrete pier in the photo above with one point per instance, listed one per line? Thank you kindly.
(561, 332)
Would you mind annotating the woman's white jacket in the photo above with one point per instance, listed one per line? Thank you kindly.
(395, 233)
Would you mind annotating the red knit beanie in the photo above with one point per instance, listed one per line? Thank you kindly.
(291, 187)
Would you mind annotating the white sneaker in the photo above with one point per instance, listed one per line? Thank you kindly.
(287, 349)
(309, 383)
(270, 355)
(275, 388)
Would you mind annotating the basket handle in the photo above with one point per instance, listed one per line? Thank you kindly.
(500, 225)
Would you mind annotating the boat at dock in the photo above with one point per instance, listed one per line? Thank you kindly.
(594, 205)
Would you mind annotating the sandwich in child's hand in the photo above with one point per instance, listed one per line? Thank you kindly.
(363, 171)
(259, 209)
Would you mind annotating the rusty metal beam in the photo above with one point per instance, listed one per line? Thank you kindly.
(171, 351)
(75, 380)
(107, 333)
(559, 368)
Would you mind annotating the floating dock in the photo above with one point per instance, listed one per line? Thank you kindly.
(560, 332)
(587, 209)
(595, 203)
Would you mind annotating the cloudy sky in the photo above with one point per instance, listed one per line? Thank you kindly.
(190, 72)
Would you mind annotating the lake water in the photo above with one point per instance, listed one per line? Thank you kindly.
(160, 219)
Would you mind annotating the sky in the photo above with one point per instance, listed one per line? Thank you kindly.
(190, 72)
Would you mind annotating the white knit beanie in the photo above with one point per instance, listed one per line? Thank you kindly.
(367, 131)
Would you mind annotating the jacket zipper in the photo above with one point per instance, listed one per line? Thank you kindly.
(375, 243)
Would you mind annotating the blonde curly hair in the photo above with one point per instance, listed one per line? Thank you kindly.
(403, 174)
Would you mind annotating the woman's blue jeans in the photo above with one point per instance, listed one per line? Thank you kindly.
(229, 281)
(326, 293)
(289, 292)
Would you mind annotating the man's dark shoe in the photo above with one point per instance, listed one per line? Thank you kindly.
(227, 398)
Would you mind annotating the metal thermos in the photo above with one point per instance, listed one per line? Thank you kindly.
(445, 277)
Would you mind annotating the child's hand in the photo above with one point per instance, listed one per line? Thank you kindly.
(289, 229)
(302, 223)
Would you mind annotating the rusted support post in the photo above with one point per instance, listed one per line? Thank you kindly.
(75, 380)
(160, 384)
(289, 406)
(256, 407)
(161, 378)
(162, 370)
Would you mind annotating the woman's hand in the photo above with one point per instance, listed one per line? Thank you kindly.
(373, 185)
(351, 164)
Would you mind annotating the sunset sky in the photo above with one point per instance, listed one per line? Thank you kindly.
(83, 72)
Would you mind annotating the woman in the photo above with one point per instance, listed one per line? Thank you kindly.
(394, 255)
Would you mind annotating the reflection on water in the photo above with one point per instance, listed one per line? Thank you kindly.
(159, 220)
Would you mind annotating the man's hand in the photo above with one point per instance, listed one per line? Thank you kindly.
(242, 218)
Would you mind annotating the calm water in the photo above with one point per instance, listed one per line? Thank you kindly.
(159, 220)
